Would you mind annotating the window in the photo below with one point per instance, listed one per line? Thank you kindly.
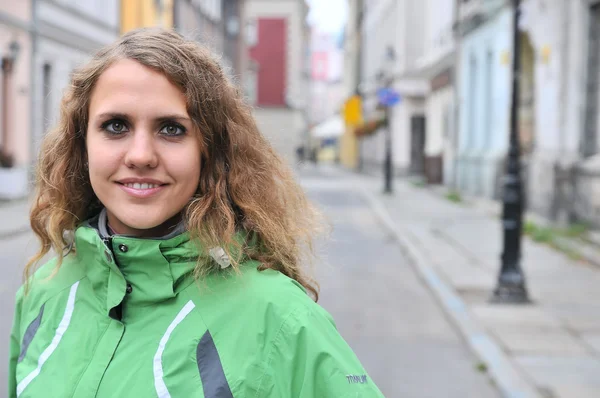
(489, 94)
(472, 112)
(46, 99)
(251, 33)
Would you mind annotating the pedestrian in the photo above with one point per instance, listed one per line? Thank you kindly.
(180, 237)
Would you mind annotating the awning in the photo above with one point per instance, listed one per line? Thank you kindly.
(370, 126)
(330, 128)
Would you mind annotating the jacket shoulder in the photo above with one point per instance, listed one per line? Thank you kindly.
(48, 281)
(245, 313)
(268, 290)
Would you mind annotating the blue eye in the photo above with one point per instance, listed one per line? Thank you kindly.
(115, 127)
(173, 130)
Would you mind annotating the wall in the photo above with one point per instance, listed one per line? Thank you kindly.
(438, 29)
(146, 13)
(196, 23)
(69, 32)
(579, 198)
(439, 117)
(397, 25)
(326, 87)
(484, 100)
(373, 147)
(349, 144)
(280, 126)
(285, 127)
(16, 16)
(293, 11)
(544, 24)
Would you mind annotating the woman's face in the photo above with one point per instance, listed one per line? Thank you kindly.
(143, 152)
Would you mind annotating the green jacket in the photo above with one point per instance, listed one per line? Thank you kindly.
(124, 318)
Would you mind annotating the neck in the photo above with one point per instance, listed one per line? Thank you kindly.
(113, 226)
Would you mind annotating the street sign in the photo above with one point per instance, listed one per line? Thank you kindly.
(353, 110)
(388, 96)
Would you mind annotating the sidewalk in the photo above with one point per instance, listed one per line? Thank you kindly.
(550, 348)
(14, 218)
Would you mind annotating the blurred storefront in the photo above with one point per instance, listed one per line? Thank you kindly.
(15, 97)
(392, 39)
(216, 24)
(41, 43)
(68, 33)
(146, 13)
(276, 78)
(325, 137)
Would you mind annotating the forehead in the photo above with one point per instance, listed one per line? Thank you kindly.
(128, 86)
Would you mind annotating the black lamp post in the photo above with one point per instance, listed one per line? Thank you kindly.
(511, 286)
(388, 170)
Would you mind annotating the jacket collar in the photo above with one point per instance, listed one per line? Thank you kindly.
(156, 269)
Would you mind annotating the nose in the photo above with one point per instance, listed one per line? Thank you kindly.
(142, 151)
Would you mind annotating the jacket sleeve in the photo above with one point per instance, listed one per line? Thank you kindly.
(309, 358)
(15, 348)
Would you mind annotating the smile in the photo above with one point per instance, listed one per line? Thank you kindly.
(141, 189)
(141, 186)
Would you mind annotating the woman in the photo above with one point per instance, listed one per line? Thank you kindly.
(182, 277)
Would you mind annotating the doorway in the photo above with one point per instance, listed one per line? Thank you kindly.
(417, 145)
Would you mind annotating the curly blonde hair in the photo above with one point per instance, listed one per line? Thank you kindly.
(244, 185)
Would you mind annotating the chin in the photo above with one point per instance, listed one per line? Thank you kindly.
(145, 221)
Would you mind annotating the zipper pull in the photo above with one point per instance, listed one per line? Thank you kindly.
(108, 253)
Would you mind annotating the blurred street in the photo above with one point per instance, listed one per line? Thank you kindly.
(361, 91)
(387, 315)
(381, 308)
(549, 348)
(407, 278)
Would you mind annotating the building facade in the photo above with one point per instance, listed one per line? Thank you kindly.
(393, 39)
(326, 76)
(276, 71)
(326, 94)
(453, 121)
(146, 13)
(349, 143)
(436, 65)
(68, 32)
(218, 25)
(16, 31)
(52, 37)
(564, 169)
(484, 91)
(558, 104)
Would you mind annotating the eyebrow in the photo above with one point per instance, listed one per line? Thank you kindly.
(161, 118)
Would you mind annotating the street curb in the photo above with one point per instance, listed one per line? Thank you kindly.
(500, 368)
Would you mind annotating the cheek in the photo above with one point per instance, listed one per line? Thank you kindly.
(186, 168)
(102, 159)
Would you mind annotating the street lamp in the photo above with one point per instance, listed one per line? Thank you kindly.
(511, 287)
(388, 77)
(8, 61)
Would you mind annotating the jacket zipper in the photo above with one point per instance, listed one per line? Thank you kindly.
(108, 243)
(115, 312)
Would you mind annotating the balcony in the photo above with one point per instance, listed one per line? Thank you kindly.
(438, 53)
(472, 13)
